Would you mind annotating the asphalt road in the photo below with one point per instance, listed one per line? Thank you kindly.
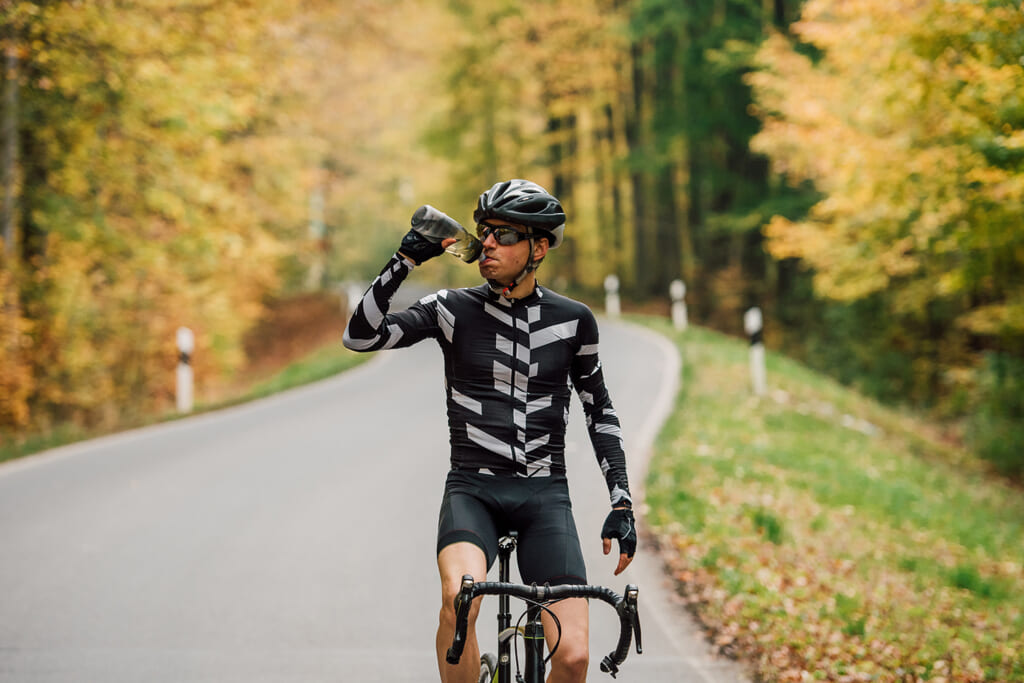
(292, 539)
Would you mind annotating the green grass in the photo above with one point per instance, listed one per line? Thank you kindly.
(320, 364)
(831, 535)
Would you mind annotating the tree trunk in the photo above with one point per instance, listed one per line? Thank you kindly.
(644, 252)
(667, 243)
(779, 14)
(562, 150)
(613, 216)
(15, 374)
(9, 155)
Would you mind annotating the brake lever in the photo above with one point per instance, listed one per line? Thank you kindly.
(462, 600)
(636, 629)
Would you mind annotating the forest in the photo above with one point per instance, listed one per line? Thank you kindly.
(855, 169)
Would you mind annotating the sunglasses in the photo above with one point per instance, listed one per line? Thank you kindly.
(504, 235)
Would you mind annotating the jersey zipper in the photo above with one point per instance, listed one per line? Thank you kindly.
(512, 387)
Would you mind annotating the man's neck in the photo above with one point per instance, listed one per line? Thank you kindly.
(523, 289)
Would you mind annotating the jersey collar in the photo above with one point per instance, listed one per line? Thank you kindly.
(535, 295)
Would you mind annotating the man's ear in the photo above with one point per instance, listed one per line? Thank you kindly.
(540, 248)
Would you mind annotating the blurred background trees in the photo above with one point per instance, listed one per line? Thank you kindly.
(907, 117)
(857, 173)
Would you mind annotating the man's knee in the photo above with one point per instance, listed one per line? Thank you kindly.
(572, 659)
(447, 616)
(454, 561)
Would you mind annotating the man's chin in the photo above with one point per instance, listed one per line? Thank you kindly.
(487, 267)
(489, 274)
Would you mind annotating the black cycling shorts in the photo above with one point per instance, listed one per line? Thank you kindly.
(480, 508)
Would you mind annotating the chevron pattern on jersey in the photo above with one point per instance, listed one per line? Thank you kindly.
(509, 370)
(515, 344)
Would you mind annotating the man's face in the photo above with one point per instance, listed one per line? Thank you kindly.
(502, 262)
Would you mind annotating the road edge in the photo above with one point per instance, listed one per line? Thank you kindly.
(86, 446)
(661, 601)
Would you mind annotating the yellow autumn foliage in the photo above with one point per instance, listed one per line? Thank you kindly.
(16, 382)
(168, 156)
(909, 123)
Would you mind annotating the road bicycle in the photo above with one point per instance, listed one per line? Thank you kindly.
(498, 668)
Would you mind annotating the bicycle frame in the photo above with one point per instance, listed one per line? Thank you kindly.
(533, 632)
(505, 637)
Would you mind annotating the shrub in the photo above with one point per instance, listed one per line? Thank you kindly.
(997, 428)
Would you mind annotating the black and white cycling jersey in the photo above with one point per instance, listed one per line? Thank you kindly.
(508, 367)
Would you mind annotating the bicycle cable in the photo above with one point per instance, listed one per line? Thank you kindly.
(519, 629)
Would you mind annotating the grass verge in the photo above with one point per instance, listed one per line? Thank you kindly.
(821, 536)
(319, 364)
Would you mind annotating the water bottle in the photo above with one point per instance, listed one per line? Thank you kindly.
(436, 226)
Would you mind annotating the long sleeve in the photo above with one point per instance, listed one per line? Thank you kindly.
(371, 327)
(602, 422)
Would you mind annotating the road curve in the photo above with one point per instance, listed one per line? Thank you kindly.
(292, 539)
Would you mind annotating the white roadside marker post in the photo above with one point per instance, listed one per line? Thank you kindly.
(317, 237)
(611, 300)
(353, 295)
(754, 326)
(677, 290)
(186, 345)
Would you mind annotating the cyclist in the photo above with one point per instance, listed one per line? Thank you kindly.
(511, 348)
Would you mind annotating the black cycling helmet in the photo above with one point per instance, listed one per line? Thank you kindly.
(524, 203)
